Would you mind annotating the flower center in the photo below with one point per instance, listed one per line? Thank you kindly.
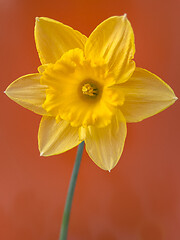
(78, 91)
(90, 90)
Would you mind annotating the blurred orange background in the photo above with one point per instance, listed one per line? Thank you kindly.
(140, 198)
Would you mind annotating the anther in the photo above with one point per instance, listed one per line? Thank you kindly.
(89, 90)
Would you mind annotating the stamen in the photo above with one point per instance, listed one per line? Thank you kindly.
(90, 90)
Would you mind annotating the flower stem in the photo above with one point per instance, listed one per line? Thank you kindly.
(72, 184)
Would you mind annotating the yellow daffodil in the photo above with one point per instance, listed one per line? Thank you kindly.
(87, 89)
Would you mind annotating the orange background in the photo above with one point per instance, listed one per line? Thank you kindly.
(140, 198)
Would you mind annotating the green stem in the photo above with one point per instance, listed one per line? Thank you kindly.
(67, 209)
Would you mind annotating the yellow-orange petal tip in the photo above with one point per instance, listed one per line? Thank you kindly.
(41, 154)
(125, 15)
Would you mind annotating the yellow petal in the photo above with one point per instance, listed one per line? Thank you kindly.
(145, 95)
(82, 133)
(43, 67)
(105, 145)
(28, 92)
(56, 137)
(113, 40)
(53, 39)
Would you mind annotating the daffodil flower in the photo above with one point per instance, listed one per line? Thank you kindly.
(87, 89)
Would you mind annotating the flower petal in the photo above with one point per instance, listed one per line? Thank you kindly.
(113, 40)
(28, 92)
(56, 137)
(43, 67)
(105, 145)
(145, 95)
(53, 39)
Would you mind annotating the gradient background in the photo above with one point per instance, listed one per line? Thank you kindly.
(140, 198)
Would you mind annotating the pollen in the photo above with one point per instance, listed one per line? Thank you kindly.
(90, 89)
